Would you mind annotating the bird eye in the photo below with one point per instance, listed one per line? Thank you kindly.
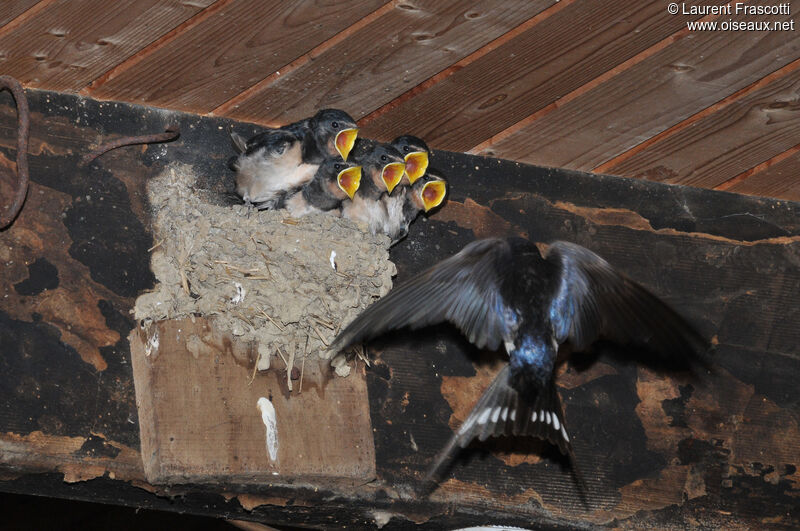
(335, 125)
(337, 166)
(406, 149)
(384, 158)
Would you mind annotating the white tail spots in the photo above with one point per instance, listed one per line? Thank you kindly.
(513, 415)
(509, 346)
(533, 417)
(504, 414)
(484, 415)
(547, 417)
(495, 414)
(271, 423)
(564, 433)
(556, 424)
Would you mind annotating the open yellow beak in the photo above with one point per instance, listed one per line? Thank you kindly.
(349, 180)
(432, 194)
(416, 165)
(345, 140)
(392, 173)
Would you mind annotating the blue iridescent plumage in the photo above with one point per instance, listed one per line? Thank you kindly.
(506, 292)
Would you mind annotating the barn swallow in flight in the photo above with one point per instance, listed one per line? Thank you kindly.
(506, 293)
(335, 181)
(278, 160)
(405, 204)
(415, 153)
(382, 169)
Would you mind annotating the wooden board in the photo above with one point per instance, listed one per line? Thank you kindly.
(720, 146)
(701, 68)
(382, 59)
(11, 9)
(526, 73)
(59, 50)
(200, 422)
(776, 180)
(657, 448)
(239, 44)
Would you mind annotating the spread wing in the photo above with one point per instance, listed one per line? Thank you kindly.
(593, 301)
(463, 289)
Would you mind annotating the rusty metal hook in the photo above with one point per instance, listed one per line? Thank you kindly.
(9, 213)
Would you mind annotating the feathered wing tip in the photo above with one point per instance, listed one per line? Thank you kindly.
(239, 142)
(500, 411)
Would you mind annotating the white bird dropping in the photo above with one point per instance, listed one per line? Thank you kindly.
(271, 423)
(333, 260)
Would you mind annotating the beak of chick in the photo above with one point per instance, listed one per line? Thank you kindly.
(416, 165)
(392, 173)
(349, 180)
(345, 140)
(432, 194)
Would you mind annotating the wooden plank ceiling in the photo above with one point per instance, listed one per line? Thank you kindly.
(623, 88)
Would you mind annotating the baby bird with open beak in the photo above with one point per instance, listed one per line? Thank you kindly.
(278, 160)
(383, 168)
(335, 182)
(416, 156)
(403, 207)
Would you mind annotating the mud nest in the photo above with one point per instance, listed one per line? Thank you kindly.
(286, 285)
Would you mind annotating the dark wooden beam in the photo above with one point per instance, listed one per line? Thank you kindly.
(657, 448)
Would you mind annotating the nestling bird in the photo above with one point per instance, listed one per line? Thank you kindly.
(415, 154)
(281, 159)
(382, 168)
(335, 181)
(504, 292)
(406, 203)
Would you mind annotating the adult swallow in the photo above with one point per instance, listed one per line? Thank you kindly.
(416, 155)
(506, 293)
(408, 202)
(335, 181)
(382, 169)
(285, 158)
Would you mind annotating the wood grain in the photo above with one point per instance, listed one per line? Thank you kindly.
(717, 449)
(11, 9)
(200, 424)
(778, 180)
(59, 50)
(241, 44)
(735, 138)
(381, 61)
(644, 100)
(526, 73)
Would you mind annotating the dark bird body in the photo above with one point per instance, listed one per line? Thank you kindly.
(334, 182)
(382, 169)
(504, 292)
(278, 160)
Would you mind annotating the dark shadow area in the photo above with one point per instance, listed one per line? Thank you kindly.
(22, 512)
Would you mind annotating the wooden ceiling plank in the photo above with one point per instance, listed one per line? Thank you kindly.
(779, 179)
(647, 99)
(399, 50)
(237, 47)
(528, 73)
(69, 43)
(11, 9)
(722, 145)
